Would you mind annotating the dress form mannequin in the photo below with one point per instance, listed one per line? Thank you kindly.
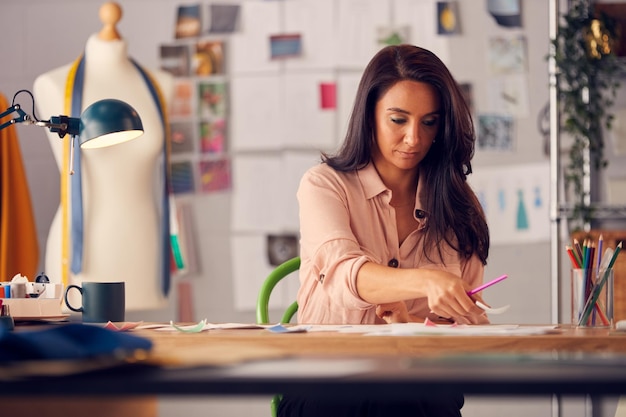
(121, 202)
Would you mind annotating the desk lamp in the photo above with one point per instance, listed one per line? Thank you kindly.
(104, 123)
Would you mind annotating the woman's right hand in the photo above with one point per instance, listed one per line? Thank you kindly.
(447, 295)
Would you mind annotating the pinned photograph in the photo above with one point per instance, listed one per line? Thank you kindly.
(223, 18)
(448, 22)
(281, 248)
(188, 21)
(208, 58)
(182, 177)
(181, 134)
(212, 100)
(213, 136)
(175, 60)
(285, 45)
(182, 98)
(215, 175)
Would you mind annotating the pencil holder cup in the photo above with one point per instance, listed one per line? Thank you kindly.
(592, 297)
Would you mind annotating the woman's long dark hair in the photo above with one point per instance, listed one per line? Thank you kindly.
(452, 203)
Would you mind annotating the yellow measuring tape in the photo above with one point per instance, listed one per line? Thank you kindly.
(65, 172)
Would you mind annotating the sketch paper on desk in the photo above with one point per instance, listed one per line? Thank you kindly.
(408, 329)
(515, 200)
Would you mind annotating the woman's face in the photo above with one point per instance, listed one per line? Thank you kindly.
(407, 122)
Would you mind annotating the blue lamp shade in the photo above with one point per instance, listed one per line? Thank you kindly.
(108, 122)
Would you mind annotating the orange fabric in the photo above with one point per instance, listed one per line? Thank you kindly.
(19, 248)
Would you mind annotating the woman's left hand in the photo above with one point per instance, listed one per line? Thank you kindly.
(393, 312)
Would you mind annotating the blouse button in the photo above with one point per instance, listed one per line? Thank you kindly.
(420, 214)
(393, 263)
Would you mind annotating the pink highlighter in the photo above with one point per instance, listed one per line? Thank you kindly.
(486, 285)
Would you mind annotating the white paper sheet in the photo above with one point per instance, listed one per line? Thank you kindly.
(305, 124)
(258, 193)
(420, 16)
(356, 40)
(416, 329)
(249, 48)
(256, 112)
(314, 20)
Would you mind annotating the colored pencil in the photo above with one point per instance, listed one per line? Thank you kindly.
(599, 252)
(597, 289)
(572, 257)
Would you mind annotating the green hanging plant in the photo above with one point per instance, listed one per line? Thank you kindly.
(588, 78)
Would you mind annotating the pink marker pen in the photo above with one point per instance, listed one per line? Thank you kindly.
(486, 285)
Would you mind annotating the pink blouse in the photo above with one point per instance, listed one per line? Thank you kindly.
(345, 221)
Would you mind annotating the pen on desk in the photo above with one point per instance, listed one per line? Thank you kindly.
(486, 285)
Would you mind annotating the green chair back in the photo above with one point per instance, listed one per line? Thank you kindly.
(262, 306)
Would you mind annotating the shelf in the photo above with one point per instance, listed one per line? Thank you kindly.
(601, 211)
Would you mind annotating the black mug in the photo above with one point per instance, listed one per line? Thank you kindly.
(101, 301)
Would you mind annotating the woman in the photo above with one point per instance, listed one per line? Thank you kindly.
(390, 229)
(390, 220)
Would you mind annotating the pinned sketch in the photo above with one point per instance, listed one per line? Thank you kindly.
(508, 94)
(495, 132)
(507, 54)
(394, 35)
(515, 200)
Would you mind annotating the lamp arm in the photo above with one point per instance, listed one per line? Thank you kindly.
(61, 125)
(22, 117)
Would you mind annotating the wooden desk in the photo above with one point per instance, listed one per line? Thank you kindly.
(257, 362)
(348, 344)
